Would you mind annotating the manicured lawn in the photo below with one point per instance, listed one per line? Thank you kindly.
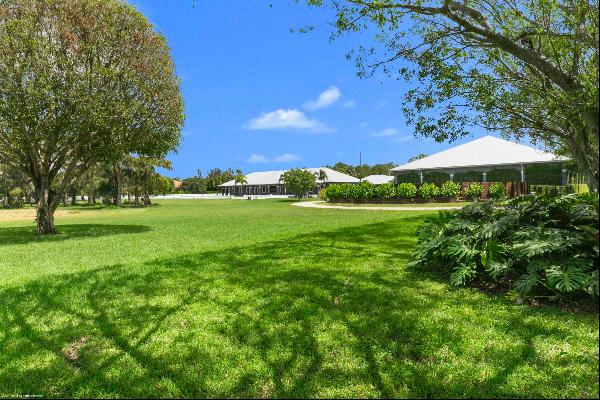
(260, 299)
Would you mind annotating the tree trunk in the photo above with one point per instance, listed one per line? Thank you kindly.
(146, 197)
(74, 199)
(118, 184)
(46, 205)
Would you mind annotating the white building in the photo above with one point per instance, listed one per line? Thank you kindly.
(378, 179)
(482, 155)
(269, 182)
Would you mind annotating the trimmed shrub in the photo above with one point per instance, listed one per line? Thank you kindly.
(406, 191)
(429, 191)
(468, 176)
(504, 175)
(474, 191)
(436, 177)
(409, 177)
(450, 189)
(496, 191)
(388, 190)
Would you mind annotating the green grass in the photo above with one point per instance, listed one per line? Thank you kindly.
(260, 299)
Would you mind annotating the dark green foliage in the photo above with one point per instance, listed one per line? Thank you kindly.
(437, 177)
(194, 184)
(504, 175)
(468, 176)
(543, 174)
(537, 246)
(409, 177)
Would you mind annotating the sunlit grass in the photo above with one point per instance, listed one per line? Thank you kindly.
(260, 299)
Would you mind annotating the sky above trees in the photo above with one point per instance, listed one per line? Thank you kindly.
(260, 97)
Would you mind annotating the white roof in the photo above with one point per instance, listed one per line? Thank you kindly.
(378, 179)
(486, 151)
(272, 177)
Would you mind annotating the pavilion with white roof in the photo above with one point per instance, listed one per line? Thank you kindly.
(481, 155)
(269, 182)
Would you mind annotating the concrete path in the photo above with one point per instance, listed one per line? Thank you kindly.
(322, 204)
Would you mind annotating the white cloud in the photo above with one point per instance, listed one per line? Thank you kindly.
(286, 119)
(349, 104)
(381, 104)
(326, 99)
(286, 157)
(257, 159)
(385, 133)
(363, 125)
(405, 138)
(282, 158)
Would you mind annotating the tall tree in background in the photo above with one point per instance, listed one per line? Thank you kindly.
(298, 181)
(519, 67)
(81, 81)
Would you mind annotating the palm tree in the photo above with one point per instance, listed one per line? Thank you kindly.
(322, 177)
(241, 179)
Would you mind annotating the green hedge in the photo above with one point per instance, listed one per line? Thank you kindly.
(504, 175)
(436, 177)
(409, 177)
(468, 176)
(543, 174)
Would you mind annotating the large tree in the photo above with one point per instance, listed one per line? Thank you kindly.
(298, 181)
(525, 68)
(81, 82)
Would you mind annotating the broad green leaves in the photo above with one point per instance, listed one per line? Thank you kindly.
(538, 245)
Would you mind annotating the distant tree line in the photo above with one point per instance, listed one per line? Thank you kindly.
(363, 170)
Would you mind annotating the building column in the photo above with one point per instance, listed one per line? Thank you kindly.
(564, 177)
(421, 176)
(451, 176)
(484, 177)
(522, 174)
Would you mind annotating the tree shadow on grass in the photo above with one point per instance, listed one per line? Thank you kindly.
(328, 314)
(25, 235)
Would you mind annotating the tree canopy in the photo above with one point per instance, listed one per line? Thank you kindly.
(298, 181)
(521, 68)
(81, 82)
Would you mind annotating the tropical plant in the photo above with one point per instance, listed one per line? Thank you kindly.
(450, 189)
(496, 191)
(240, 179)
(538, 246)
(429, 191)
(474, 191)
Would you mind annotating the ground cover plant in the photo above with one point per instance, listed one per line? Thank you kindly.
(232, 298)
(537, 246)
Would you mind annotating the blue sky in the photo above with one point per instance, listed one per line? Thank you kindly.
(259, 97)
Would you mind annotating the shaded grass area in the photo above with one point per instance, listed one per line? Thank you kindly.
(198, 301)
